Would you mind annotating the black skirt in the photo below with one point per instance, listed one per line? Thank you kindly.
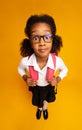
(39, 94)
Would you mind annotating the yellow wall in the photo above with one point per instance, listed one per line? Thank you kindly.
(16, 111)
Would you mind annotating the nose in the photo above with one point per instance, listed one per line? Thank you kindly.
(41, 42)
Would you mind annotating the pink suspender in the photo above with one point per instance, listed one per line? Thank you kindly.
(33, 73)
(50, 72)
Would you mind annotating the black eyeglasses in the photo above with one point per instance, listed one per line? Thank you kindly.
(36, 38)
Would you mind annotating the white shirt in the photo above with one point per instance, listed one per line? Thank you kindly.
(25, 63)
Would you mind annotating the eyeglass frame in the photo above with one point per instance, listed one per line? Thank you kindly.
(40, 36)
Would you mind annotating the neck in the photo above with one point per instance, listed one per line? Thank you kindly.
(41, 61)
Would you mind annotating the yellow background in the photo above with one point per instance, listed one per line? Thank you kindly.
(16, 110)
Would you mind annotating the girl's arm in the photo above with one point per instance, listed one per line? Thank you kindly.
(22, 67)
(25, 77)
(22, 71)
(62, 72)
(61, 67)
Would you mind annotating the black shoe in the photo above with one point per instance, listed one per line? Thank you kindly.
(45, 114)
(38, 114)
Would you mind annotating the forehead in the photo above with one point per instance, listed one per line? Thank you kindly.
(40, 28)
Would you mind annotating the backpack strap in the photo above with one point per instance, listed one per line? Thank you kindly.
(33, 73)
(50, 72)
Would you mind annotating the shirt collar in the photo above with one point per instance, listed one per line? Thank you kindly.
(50, 63)
(32, 62)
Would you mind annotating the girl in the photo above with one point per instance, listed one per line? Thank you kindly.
(40, 59)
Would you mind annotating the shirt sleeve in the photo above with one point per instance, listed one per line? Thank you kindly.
(61, 67)
(22, 67)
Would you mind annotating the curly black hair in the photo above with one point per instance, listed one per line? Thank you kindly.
(26, 49)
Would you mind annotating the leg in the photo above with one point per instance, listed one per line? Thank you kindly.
(45, 112)
(45, 105)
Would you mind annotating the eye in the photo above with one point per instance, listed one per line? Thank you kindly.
(47, 36)
(35, 38)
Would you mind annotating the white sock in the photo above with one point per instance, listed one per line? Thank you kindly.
(40, 108)
(44, 105)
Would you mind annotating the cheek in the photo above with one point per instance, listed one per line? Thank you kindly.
(34, 46)
(50, 46)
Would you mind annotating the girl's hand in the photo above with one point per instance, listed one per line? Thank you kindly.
(54, 81)
(31, 82)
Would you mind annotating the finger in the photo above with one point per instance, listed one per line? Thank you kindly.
(49, 81)
(33, 85)
(34, 81)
